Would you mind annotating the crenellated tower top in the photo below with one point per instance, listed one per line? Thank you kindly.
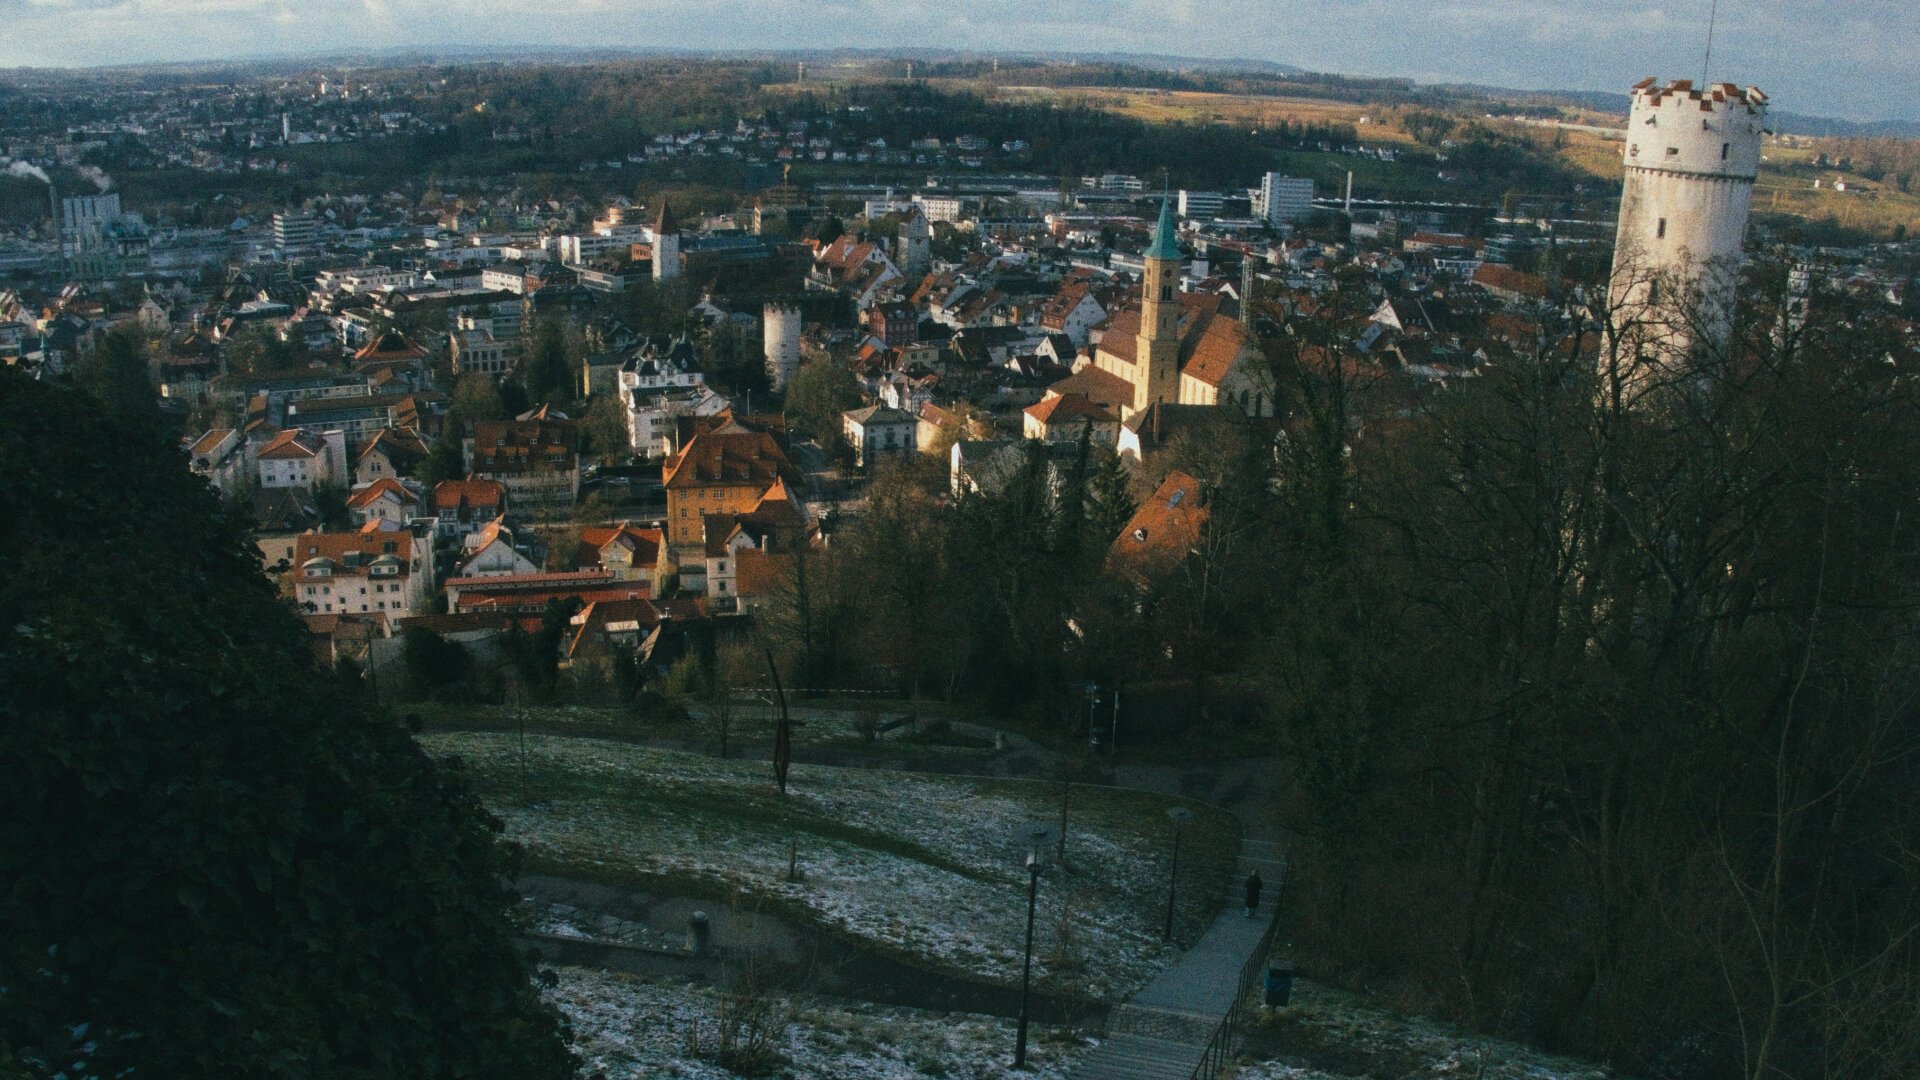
(1706, 132)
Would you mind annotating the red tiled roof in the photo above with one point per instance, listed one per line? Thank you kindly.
(386, 485)
(760, 572)
(450, 494)
(1162, 531)
(363, 545)
(291, 444)
(1101, 387)
(1209, 341)
(728, 459)
(1067, 408)
(641, 547)
(1507, 279)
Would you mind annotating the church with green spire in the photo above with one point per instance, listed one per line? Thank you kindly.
(1175, 348)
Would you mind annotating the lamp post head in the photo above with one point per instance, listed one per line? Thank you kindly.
(1037, 838)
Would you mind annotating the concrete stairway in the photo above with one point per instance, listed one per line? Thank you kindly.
(1161, 1032)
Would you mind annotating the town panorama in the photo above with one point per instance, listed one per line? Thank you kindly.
(926, 563)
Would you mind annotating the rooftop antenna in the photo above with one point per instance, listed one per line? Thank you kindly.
(1713, 14)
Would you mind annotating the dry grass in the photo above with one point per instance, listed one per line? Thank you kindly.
(1374, 122)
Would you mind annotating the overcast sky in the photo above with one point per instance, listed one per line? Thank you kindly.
(1854, 58)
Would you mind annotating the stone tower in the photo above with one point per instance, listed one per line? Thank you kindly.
(780, 341)
(666, 244)
(916, 246)
(1691, 158)
(1156, 357)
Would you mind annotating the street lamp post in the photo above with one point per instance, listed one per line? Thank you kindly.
(1037, 837)
(1026, 970)
(1179, 814)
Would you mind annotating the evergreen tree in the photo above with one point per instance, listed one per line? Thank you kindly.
(213, 860)
(445, 459)
(114, 374)
(549, 377)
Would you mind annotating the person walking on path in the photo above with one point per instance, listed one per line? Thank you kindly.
(1253, 892)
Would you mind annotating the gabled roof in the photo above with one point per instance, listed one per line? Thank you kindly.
(1100, 387)
(1068, 408)
(877, 414)
(292, 445)
(728, 458)
(622, 545)
(385, 487)
(471, 493)
(392, 345)
(403, 448)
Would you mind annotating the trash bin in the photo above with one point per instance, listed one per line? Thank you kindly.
(1279, 985)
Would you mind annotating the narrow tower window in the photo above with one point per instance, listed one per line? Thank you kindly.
(1660, 233)
(1724, 147)
(1166, 292)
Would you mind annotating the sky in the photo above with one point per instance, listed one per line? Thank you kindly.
(1858, 59)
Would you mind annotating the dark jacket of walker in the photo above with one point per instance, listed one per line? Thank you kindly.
(1253, 890)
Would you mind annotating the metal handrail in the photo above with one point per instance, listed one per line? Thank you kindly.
(1220, 1046)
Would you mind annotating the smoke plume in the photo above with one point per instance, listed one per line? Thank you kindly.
(24, 169)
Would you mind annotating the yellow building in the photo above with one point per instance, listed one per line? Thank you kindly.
(723, 471)
(1176, 347)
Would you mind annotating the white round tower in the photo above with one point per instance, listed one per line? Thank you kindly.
(1691, 158)
(780, 341)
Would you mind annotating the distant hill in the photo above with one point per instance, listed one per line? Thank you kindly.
(1597, 100)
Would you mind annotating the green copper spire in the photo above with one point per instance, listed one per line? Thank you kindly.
(1164, 245)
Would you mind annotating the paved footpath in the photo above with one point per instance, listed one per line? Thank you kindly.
(1160, 1032)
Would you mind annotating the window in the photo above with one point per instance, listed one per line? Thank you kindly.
(1673, 151)
(1724, 147)
(1660, 230)
(1166, 292)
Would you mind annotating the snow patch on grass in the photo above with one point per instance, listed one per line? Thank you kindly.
(930, 867)
(625, 1029)
(1330, 1034)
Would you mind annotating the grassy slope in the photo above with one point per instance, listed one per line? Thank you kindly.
(925, 868)
(1328, 1034)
